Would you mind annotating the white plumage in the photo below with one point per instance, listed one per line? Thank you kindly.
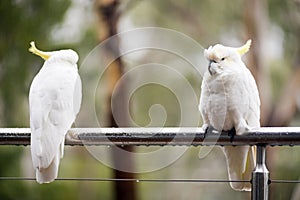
(229, 99)
(54, 101)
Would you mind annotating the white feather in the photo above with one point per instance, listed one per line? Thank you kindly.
(229, 98)
(54, 101)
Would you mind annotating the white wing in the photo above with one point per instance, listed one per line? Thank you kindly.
(77, 95)
(203, 104)
(241, 159)
(253, 116)
(52, 102)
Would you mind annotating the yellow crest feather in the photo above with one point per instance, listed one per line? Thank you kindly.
(34, 50)
(245, 48)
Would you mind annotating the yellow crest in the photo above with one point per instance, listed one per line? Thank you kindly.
(245, 48)
(42, 54)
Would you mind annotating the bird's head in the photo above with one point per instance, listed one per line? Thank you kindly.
(222, 58)
(66, 55)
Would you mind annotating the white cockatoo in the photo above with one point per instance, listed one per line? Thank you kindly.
(54, 101)
(230, 101)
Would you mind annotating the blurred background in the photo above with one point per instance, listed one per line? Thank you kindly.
(274, 60)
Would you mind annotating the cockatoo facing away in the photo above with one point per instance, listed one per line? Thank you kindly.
(229, 99)
(54, 101)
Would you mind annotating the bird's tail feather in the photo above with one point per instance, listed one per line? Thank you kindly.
(240, 164)
(49, 174)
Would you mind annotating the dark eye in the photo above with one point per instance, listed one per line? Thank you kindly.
(222, 59)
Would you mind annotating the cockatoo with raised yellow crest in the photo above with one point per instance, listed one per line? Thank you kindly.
(54, 101)
(230, 101)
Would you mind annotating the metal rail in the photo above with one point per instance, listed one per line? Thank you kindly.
(271, 136)
(176, 136)
(260, 176)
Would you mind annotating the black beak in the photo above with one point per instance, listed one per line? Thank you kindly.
(209, 66)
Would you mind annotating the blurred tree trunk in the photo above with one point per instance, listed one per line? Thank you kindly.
(278, 113)
(108, 13)
(286, 107)
(256, 22)
(257, 26)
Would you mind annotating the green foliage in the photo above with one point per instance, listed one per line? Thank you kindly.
(10, 164)
(166, 115)
(21, 22)
(286, 15)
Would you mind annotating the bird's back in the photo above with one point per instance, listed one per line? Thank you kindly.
(52, 111)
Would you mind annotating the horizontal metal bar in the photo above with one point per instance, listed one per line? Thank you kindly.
(160, 136)
(130, 180)
(93, 179)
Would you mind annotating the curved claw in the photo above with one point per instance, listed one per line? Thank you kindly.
(209, 129)
(231, 133)
(206, 131)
